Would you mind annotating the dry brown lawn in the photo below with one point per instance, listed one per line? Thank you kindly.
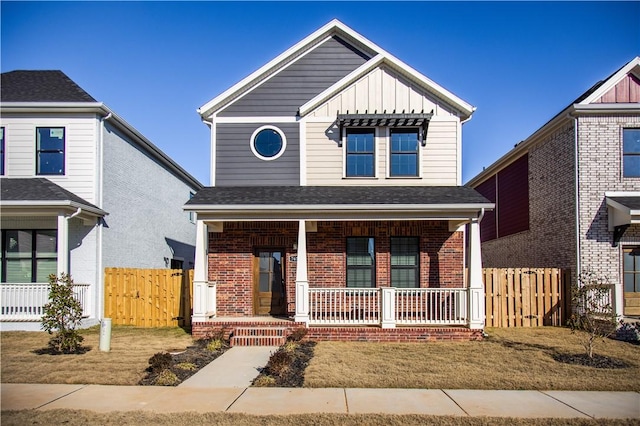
(131, 349)
(517, 358)
(78, 417)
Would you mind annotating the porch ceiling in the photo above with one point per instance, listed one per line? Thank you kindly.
(624, 209)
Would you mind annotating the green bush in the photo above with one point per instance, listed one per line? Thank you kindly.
(62, 316)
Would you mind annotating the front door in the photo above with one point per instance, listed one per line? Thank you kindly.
(631, 281)
(268, 283)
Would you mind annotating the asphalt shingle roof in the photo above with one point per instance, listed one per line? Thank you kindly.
(631, 202)
(37, 189)
(337, 195)
(41, 86)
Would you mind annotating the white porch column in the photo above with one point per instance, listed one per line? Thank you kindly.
(302, 283)
(201, 292)
(476, 286)
(388, 303)
(63, 244)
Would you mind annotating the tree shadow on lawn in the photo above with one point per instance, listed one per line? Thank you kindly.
(597, 361)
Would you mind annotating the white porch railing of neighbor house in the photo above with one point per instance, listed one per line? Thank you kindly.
(388, 306)
(25, 302)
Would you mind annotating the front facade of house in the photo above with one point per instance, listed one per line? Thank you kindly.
(76, 197)
(569, 195)
(336, 199)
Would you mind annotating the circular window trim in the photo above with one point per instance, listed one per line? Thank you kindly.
(253, 140)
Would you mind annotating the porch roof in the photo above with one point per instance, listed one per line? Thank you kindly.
(335, 202)
(625, 208)
(29, 194)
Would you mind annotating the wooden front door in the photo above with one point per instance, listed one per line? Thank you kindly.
(268, 283)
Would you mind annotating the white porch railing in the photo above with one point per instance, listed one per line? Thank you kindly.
(353, 306)
(365, 306)
(25, 302)
(432, 306)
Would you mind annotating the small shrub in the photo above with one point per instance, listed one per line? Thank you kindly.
(593, 318)
(264, 381)
(279, 362)
(297, 335)
(160, 361)
(166, 378)
(215, 345)
(188, 366)
(290, 346)
(62, 315)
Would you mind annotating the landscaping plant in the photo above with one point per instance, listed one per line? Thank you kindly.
(62, 316)
(594, 318)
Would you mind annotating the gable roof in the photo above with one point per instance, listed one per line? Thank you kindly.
(41, 86)
(586, 103)
(333, 28)
(41, 192)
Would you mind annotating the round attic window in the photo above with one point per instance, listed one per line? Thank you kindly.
(268, 143)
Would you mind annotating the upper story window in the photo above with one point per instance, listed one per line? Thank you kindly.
(28, 256)
(631, 152)
(404, 152)
(360, 153)
(1, 151)
(50, 146)
(268, 143)
(361, 262)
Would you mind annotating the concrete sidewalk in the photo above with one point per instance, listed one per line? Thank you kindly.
(263, 401)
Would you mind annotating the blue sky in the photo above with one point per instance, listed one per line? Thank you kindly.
(155, 63)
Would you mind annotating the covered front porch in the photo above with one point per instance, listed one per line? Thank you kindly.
(434, 288)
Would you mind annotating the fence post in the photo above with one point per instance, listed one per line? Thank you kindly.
(388, 303)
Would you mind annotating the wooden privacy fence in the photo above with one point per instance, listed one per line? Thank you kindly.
(148, 297)
(527, 297)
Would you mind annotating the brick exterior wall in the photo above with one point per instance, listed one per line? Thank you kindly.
(550, 240)
(231, 256)
(600, 170)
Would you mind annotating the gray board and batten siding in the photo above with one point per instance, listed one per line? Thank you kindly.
(237, 166)
(282, 94)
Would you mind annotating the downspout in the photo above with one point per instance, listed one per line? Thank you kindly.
(577, 193)
(77, 212)
(99, 261)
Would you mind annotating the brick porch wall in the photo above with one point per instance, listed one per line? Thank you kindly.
(231, 256)
(346, 334)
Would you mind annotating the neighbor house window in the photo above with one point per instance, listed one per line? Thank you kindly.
(404, 152)
(28, 256)
(268, 143)
(192, 215)
(360, 262)
(1, 151)
(50, 145)
(631, 266)
(631, 152)
(360, 153)
(405, 261)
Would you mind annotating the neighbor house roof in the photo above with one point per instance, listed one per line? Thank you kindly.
(337, 28)
(586, 103)
(52, 91)
(41, 192)
(41, 86)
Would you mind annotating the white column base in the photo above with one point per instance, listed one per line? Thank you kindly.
(302, 302)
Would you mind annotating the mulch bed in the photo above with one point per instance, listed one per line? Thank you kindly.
(598, 361)
(286, 367)
(197, 355)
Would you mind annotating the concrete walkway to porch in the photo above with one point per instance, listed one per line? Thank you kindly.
(236, 368)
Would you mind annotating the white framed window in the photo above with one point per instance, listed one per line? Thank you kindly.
(268, 143)
(404, 152)
(360, 152)
(631, 153)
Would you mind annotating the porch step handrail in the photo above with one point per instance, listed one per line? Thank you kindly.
(364, 306)
(25, 301)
